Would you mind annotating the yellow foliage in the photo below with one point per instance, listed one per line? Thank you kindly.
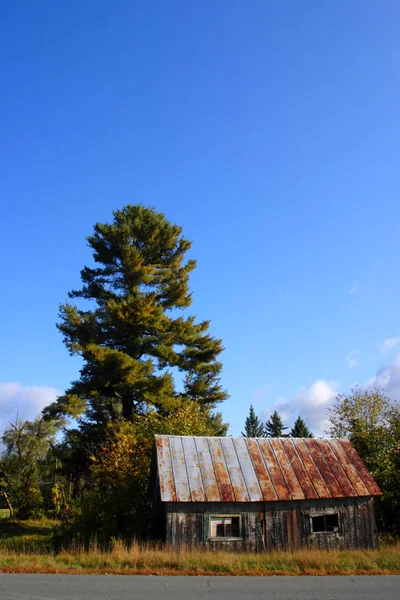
(126, 454)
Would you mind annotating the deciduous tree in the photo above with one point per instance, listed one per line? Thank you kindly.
(27, 447)
(117, 503)
(371, 421)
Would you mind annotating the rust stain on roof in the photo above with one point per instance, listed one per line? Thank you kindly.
(349, 468)
(312, 470)
(361, 469)
(324, 468)
(287, 470)
(336, 468)
(211, 469)
(301, 472)
(261, 471)
(221, 471)
(278, 480)
(167, 483)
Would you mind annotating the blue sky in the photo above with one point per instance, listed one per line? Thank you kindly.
(269, 130)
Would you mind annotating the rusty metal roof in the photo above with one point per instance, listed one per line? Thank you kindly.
(227, 469)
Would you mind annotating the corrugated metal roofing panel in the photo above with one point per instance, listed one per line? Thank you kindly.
(221, 471)
(210, 469)
(349, 468)
(179, 470)
(193, 470)
(234, 470)
(207, 470)
(277, 478)
(336, 468)
(324, 468)
(311, 468)
(361, 468)
(301, 473)
(165, 474)
(287, 470)
(261, 471)
(251, 480)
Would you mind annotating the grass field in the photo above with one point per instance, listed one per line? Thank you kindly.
(25, 547)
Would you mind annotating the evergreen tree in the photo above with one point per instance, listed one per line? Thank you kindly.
(253, 426)
(274, 426)
(300, 429)
(131, 337)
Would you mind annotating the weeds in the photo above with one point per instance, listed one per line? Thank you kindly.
(25, 547)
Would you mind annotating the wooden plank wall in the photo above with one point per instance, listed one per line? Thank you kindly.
(187, 524)
(286, 526)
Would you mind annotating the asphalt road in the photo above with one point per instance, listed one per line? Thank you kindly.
(111, 587)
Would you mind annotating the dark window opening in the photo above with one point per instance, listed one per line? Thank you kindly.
(325, 523)
(227, 527)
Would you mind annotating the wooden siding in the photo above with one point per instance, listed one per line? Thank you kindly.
(273, 525)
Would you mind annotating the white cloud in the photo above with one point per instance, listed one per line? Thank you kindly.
(353, 359)
(389, 344)
(27, 400)
(354, 288)
(310, 403)
(387, 379)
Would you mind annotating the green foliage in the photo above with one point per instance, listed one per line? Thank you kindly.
(131, 335)
(117, 503)
(27, 446)
(274, 427)
(253, 427)
(372, 423)
(300, 429)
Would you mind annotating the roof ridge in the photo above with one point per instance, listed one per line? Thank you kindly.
(241, 437)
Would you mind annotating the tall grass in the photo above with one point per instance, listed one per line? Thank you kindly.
(157, 560)
(26, 546)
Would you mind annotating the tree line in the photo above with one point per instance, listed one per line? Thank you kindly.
(274, 427)
(149, 367)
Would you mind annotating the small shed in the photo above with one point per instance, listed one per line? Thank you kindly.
(261, 494)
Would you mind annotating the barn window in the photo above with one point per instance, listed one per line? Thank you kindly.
(223, 526)
(325, 523)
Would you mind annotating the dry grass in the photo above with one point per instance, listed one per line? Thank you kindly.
(25, 547)
(146, 559)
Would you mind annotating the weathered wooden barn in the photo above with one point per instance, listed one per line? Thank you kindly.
(260, 494)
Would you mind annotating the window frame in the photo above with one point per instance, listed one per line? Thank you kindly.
(336, 530)
(239, 516)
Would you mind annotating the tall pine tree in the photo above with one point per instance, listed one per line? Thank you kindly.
(253, 426)
(300, 429)
(131, 337)
(274, 427)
